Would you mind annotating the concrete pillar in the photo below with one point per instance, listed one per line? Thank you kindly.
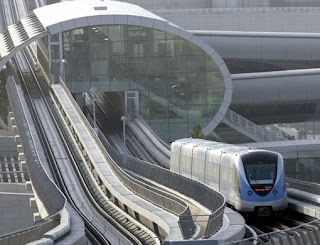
(24, 166)
(36, 217)
(29, 186)
(11, 122)
(14, 129)
(21, 156)
(33, 203)
(17, 139)
(19, 148)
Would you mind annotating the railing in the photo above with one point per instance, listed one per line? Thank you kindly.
(209, 198)
(306, 186)
(249, 128)
(30, 234)
(50, 195)
(159, 198)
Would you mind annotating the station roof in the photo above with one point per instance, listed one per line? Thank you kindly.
(75, 14)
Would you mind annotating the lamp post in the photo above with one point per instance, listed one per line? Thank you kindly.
(93, 91)
(64, 63)
(124, 119)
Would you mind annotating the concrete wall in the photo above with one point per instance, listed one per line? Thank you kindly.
(15, 212)
(171, 4)
(259, 20)
(257, 46)
(275, 97)
(7, 144)
(184, 4)
(14, 188)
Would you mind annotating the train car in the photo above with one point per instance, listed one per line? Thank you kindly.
(252, 180)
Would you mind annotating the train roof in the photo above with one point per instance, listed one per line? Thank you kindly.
(206, 145)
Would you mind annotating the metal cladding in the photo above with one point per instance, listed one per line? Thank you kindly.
(19, 35)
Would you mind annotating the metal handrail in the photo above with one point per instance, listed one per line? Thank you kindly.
(306, 186)
(258, 131)
(150, 171)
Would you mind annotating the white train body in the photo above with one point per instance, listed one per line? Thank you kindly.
(251, 180)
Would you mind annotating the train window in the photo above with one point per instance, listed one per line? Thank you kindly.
(261, 172)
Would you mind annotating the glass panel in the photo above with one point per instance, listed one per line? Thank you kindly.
(156, 34)
(157, 48)
(99, 69)
(214, 80)
(55, 52)
(137, 65)
(196, 80)
(176, 64)
(178, 114)
(198, 97)
(118, 68)
(210, 64)
(137, 33)
(193, 49)
(137, 49)
(79, 50)
(196, 112)
(80, 67)
(196, 63)
(158, 82)
(161, 129)
(178, 83)
(55, 38)
(157, 65)
(138, 82)
(98, 51)
(215, 96)
(117, 33)
(178, 130)
(118, 49)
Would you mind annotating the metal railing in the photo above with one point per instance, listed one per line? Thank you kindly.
(159, 198)
(49, 194)
(306, 186)
(209, 198)
(30, 234)
(250, 129)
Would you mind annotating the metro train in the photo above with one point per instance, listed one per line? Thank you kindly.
(252, 180)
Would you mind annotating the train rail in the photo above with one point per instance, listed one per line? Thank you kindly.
(140, 139)
(31, 85)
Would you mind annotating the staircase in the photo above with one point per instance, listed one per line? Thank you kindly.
(251, 130)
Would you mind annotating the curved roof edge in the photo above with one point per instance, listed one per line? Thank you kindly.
(70, 15)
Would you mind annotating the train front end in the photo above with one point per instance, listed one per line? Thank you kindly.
(262, 182)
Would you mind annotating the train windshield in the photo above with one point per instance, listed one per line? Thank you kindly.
(261, 172)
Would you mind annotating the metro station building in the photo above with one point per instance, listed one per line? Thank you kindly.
(175, 78)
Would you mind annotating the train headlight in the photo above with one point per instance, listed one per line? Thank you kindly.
(249, 193)
(275, 192)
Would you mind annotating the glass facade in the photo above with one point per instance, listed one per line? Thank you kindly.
(303, 165)
(178, 83)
